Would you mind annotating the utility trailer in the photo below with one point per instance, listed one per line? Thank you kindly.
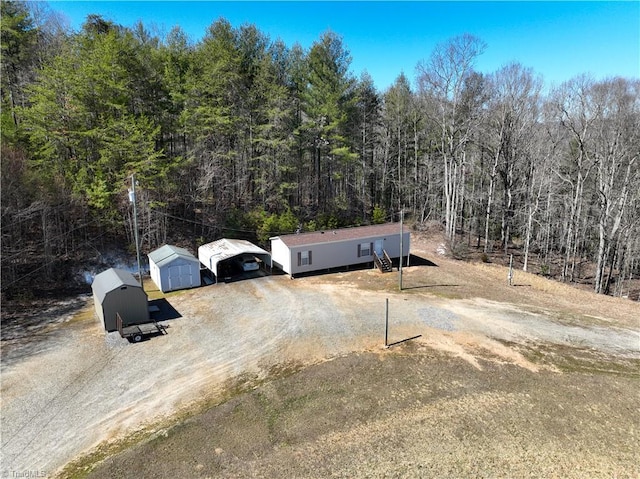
(137, 332)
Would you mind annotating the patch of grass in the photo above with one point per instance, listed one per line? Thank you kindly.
(284, 369)
(569, 359)
(82, 467)
(567, 317)
(399, 410)
(630, 368)
(85, 314)
(440, 293)
(275, 412)
(153, 292)
(582, 361)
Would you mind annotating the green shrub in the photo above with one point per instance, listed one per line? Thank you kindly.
(379, 215)
(327, 222)
(458, 250)
(276, 224)
(287, 222)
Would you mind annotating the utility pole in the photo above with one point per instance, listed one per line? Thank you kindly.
(401, 247)
(132, 199)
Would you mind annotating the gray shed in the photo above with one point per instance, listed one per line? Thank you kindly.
(117, 291)
(174, 268)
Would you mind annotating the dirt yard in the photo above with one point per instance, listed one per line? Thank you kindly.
(275, 377)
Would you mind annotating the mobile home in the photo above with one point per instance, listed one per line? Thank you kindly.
(320, 250)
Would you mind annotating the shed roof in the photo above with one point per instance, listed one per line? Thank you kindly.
(111, 279)
(224, 248)
(342, 234)
(167, 253)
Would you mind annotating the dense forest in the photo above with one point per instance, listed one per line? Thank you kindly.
(240, 135)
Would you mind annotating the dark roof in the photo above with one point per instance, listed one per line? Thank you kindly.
(167, 253)
(342, 234)
(111, 279)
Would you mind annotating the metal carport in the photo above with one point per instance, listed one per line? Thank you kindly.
(217, 255)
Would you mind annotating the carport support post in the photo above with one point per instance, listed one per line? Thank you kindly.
(386, 326)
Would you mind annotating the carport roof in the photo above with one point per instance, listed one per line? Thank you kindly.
(167, 253)
(224, 248)
(342, 234)
(111, 279)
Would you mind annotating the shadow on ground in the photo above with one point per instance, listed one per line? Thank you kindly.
(162, 310)
(415, 260)
(431, 286)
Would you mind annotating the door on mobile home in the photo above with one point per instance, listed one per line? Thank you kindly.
(378, 246)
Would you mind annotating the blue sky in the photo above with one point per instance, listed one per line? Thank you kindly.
(558, 40)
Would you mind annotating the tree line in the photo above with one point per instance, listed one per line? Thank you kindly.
(241, 135)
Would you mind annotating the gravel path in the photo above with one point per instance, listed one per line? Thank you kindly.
(80, 387)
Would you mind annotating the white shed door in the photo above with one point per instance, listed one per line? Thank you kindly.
(180, 277)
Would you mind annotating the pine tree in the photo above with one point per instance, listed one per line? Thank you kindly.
(327, 104)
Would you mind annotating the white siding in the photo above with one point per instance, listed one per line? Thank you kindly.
(334, 254)
(280, 255)
(154, 272)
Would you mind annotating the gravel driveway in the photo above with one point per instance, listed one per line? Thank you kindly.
(80, 387)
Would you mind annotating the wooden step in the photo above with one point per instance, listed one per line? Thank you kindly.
(383, 263)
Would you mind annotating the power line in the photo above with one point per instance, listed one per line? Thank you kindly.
(88, 242)
(228, 228)
(39, 243)
(389, 217)
(48, 263)
(28, 215)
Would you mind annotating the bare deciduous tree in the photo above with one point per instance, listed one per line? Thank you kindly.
(442, 83)
(616, 152)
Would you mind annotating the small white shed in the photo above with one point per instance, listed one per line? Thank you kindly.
(174, 268)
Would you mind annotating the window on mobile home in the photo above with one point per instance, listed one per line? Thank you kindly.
(304, 258)
(365, 249)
